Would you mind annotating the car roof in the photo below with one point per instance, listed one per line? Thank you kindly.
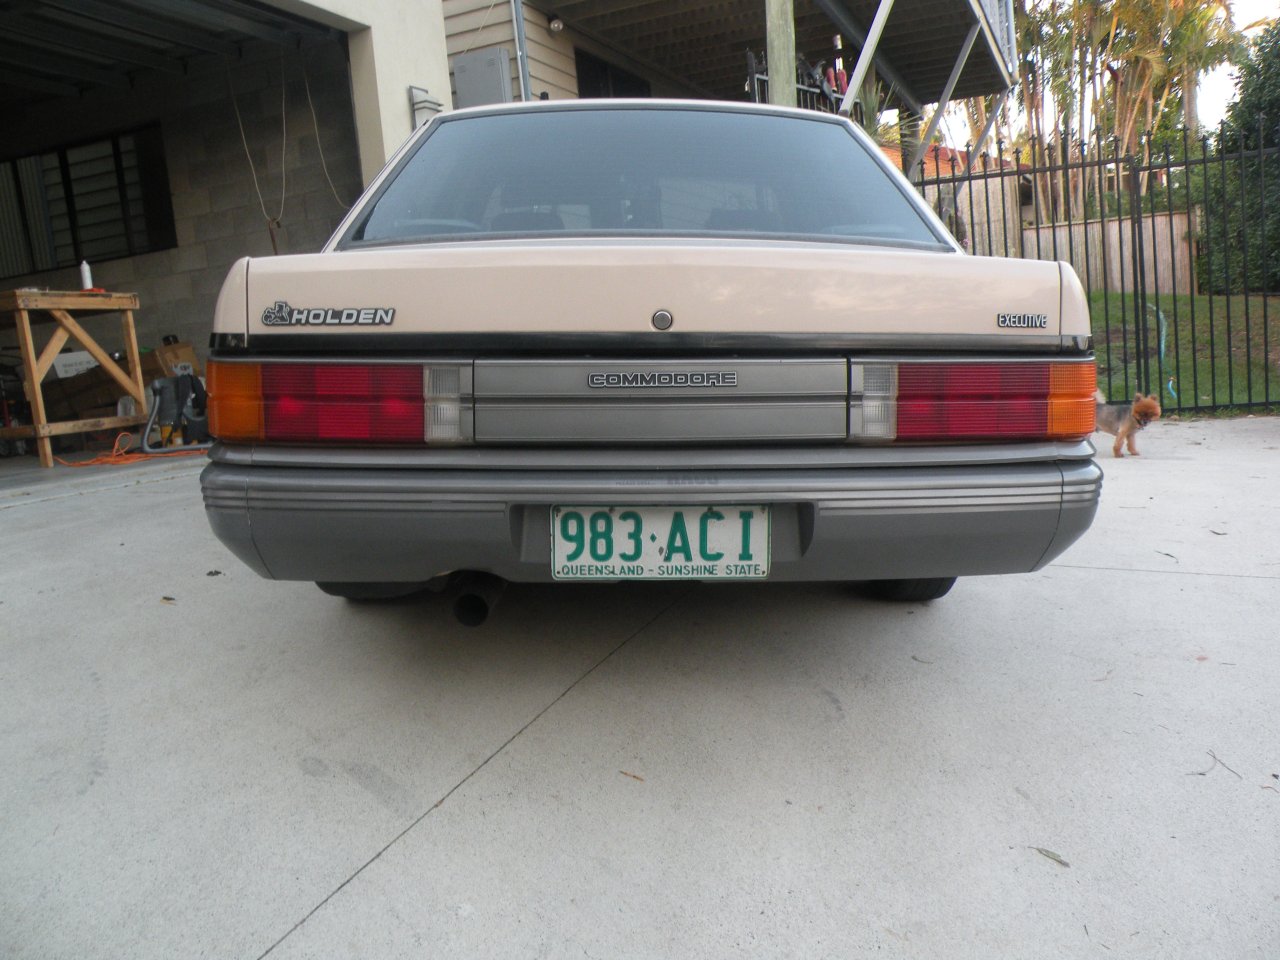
(645, 103)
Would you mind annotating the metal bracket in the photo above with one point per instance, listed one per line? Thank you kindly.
(936, 119)
(976, 148)
(421, 102)
(865, 57)
(849, 27)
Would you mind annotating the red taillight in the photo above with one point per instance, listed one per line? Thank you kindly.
(1015, 400)
(972, 401)
(374, 403)
(319, 402)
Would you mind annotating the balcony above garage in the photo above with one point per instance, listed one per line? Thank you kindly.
(917, 44)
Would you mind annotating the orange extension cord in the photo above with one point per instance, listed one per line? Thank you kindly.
(119, 455)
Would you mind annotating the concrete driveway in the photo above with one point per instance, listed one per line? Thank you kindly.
(1073, 763)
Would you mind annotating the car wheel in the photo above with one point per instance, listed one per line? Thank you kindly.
(369, 591)
(909, 591)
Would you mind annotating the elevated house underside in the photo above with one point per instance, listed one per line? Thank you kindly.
(704, 44)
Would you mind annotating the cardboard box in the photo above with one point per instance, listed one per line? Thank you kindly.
(176, 358)
(70, 362)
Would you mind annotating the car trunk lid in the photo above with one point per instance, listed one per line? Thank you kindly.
(717, 293)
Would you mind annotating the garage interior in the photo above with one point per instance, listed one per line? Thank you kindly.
(157, 141)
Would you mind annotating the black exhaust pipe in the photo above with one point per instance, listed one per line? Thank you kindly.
(477, 594)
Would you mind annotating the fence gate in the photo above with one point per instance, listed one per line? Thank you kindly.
(1177, 244)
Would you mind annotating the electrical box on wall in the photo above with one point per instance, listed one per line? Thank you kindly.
(482, 76)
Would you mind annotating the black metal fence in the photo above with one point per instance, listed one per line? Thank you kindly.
(1177, 244)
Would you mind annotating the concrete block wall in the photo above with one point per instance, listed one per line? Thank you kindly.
(217, 214)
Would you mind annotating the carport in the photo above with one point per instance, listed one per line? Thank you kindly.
(60, 50)
(159, 141)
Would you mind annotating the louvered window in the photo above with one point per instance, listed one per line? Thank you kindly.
(93, 201)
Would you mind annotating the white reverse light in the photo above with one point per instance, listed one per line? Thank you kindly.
(450, 409)
(873, 392)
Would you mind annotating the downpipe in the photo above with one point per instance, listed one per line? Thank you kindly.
(475, 595)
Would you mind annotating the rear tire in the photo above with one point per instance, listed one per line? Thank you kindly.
(909, 591)
(369, 591)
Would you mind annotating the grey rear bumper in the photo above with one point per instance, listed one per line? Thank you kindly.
(387, 523)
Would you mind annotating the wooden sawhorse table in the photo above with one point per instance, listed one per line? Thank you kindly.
(29, 307)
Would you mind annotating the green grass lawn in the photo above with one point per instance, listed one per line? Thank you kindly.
(1219, 351)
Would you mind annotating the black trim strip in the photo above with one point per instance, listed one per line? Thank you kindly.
(589, 236)
(629, 344)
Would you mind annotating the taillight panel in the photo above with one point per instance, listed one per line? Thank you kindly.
(432, 402)
(375, 403)
(926, 401)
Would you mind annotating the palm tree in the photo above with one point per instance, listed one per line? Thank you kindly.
(1110, 66)
(1203, 38)
(1116, 63)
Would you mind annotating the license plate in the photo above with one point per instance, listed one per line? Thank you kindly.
(660, 543)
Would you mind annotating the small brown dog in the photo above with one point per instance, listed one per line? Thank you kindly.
(1124, 423)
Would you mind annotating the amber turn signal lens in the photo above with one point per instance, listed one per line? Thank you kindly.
(235, 400)
(1072, 408)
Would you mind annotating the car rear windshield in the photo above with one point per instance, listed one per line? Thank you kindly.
(641, 171)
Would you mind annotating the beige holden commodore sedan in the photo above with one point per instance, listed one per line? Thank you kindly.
(637, 340)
